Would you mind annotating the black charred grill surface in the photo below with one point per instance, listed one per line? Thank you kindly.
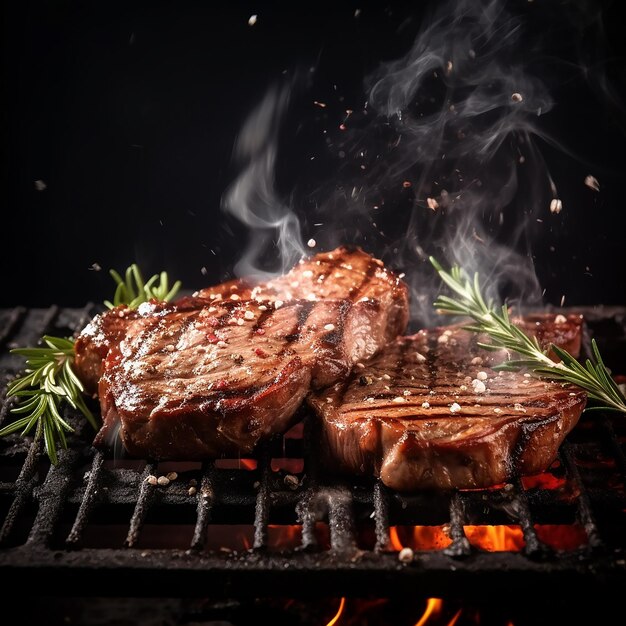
(274, 525)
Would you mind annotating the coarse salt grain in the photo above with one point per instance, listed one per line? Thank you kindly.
(249, 315)
(482, 376)
(455, 408)
(239, 322)
(406, 392)
(518, 407)
(477, 360)
(172, 476)
(234, 296)
(192, 491)
(329, 327)
(420, 357)
(560, 319)
(405, 555)
(151, 480)
(478, 386)
(163, 481)
(398, 399)
(307, 273)
(592, 183)
(442, 339)
(497, 410)
(432, 204)
(278, 303)
(556, 206)
(169, 347)
(426, 405)
(262, 308)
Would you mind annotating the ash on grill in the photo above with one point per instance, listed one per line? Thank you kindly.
(274, 525)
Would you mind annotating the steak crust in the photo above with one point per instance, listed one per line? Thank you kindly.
(430, 412)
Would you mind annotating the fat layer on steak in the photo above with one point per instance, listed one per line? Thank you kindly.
(430, 412)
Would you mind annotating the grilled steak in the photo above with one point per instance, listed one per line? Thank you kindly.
(429, 412)
(190, 383)
(379, 310)
(216, 372)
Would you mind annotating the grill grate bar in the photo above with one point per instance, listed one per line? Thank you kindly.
(584, 510)
(381, 517)
(614, 445)
(205, 497)
(33, 335)
(146, 496)
(306, 510)
(24, 486)
(262, 507)
(533, 546)
(51, 497)
(88, 501)
(340, 519)
(13, 320)
(460, 545)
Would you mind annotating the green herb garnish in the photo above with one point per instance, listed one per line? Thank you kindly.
(49, 380)
(592, 376)
(132, 290)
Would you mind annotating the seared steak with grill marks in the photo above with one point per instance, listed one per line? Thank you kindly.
(378, 313)
(217, 372)
(190, 383)
(429, 412)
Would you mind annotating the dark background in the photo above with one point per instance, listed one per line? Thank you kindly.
(128, 113)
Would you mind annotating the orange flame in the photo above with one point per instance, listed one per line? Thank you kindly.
(418, 537)
(433, 605)
(496, 538)
(454, 620)
(335, 619)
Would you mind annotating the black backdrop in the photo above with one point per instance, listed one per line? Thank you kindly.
(128, 113)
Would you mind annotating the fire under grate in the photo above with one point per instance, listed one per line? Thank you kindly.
(275, 524)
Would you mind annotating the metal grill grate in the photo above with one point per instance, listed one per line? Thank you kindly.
(275, 523)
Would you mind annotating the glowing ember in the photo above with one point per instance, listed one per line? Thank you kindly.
(496, 538)
(543, 481)
(561, 536)
(240, 464)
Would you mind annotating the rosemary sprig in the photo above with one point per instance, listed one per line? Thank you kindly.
(132, 290)
(593, 376)
(49, 380)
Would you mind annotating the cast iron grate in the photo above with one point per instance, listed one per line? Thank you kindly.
(275, 524)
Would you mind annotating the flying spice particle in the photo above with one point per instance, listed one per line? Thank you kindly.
(252, 20)
(322, 105)
(516, 97)
(311, 243)
(40, 185)
(406, 184)
(432, 204)
(592, 183)
(556, 206)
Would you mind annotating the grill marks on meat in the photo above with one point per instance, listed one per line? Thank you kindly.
(207, 376)
(420, 415)
(379, 310)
